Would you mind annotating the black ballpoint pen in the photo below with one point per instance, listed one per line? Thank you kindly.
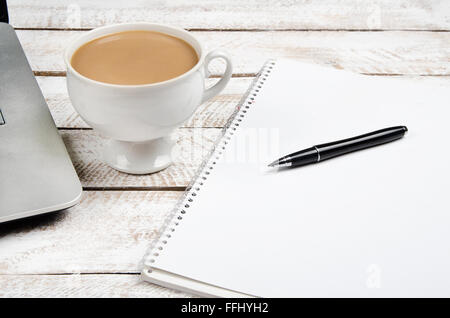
(333, 149)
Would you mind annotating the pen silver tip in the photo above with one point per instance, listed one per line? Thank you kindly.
(273, 164)
(280, 164)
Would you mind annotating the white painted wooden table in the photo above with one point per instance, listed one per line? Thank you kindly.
(95, 248)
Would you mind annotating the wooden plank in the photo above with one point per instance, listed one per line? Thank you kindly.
(85, 149)
(108, 232)
(412, 53)
(81, 286)
(236, 14)
(194, 144)
(213, 113)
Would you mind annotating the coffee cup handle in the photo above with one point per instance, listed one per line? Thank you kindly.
(220, 85)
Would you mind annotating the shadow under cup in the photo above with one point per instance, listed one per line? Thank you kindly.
(137, 120)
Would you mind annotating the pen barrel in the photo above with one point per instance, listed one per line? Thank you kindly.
(344, 146)
(303, 157)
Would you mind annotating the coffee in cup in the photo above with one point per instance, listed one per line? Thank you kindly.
(134, 57)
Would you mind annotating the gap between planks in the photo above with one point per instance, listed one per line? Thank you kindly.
(71, 274)
(236, 75)
(184, 127)
(137, 188)
(63, 74)
(251, 30)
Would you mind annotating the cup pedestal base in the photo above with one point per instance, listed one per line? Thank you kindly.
(139, 157)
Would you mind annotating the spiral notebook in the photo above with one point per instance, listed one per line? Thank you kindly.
(374, 223)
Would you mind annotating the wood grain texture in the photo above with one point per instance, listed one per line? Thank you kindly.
(85, 149)
(108, 232)
(412, 53)
(213, 113)
(236, 14)
(81, 286)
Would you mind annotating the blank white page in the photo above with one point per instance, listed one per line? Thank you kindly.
(371, 223)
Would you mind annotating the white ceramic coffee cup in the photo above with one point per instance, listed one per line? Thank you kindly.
(137, 120)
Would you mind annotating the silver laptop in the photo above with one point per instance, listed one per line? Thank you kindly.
(36, 173)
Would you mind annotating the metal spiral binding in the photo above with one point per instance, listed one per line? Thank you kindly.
(182, 206)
